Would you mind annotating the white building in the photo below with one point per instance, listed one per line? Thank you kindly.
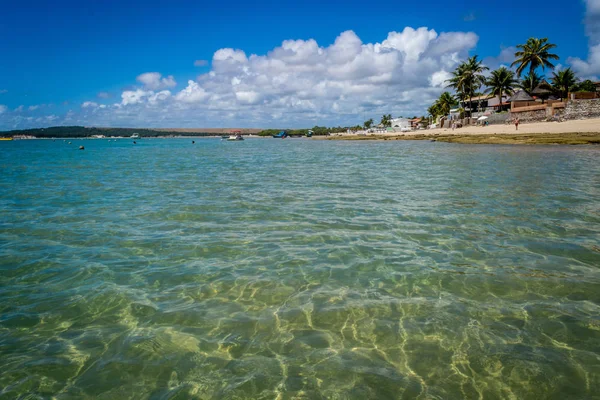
(401, 124)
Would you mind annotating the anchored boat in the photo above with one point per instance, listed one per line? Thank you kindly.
(235, 137)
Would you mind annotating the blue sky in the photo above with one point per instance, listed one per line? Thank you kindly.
(58, 56)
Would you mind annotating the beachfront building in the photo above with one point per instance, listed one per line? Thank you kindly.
(486, 103)
(454, 114)
(520, 99)
(401, 124)
(414, 123)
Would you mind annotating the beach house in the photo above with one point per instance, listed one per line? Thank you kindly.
(401, 124)
(486, 103)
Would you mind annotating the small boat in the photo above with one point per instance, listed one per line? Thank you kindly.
(281, 135)
(6, 138)
(235, 137)
(135, 136)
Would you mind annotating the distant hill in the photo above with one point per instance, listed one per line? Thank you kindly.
(82, 131)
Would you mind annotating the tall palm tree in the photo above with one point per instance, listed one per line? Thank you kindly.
(562, 81)
(501, 81)
(534, 53)
(458, 82)
(467, 78)
(530, 82)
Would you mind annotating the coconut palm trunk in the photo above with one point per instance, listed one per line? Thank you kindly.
(470, 105)
(500, 101)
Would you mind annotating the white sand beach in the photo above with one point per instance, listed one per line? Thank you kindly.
(572, 126)
(580, 126)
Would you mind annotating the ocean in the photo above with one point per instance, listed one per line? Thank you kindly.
(298, 269)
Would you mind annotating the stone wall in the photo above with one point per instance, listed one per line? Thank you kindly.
(500, 118)
(582, 109)
(530, 116)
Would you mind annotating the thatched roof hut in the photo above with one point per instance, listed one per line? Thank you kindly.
(543, 89)
(521, 95)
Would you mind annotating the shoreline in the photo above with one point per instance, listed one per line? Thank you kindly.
(569, 132)
(567, 138)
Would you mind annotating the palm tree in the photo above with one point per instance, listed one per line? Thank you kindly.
(501, 81)
(434, 110)
(459, 82)
(562, 81)
(368, 123)
(468, 77)
(535, 53)
(386, 120)
(445, 103)
(530, 82)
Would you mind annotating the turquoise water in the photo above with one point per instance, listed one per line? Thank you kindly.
(298, 269)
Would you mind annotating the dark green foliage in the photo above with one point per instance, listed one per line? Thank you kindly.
(501, 81)
(585, 86)
(563, 81)
(317, 130)
(533, 54)
(82, 131)
(530, 82)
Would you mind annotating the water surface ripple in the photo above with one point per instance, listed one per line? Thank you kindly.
(298, 269)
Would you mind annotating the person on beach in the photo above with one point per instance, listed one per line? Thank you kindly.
(517, 123)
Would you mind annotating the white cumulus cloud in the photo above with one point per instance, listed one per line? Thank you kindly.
(590, 68)
(193, 93)
(3, 108)
(155, 81)
(134, 96)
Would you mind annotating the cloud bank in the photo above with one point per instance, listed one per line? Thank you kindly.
(298, 83)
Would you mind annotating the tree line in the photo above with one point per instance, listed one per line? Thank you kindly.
(86, 132)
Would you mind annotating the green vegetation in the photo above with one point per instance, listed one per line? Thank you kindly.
(530, 82)
(563, 81)
(467, 78)
(585, 86)
(82, 131)
(386, 120)
(534, 53)
(443, 105)
(85, 132)
(500, 82)
(317, 131)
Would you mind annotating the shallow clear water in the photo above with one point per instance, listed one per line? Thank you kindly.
(298, 269)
